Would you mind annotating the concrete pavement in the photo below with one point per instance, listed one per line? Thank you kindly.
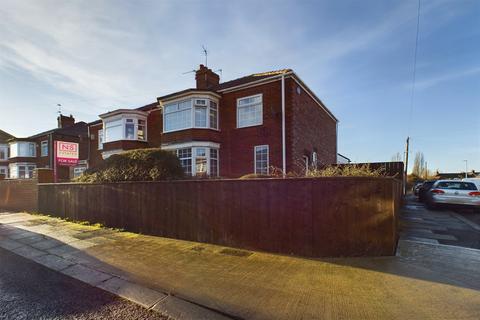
(424, 281)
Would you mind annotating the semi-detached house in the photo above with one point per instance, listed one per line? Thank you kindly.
(248, 125)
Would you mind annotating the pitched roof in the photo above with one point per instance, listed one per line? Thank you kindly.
(5, 136)
(250, 78)
(78, 129)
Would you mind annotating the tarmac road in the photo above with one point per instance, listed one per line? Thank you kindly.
(31, 291)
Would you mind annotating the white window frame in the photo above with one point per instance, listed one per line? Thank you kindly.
(123, 124)
(193, 104)
(258, 123)
(193, 146)
(255, 158)
(100, 139)
(14, 169)
(42, 144)
(15, 146)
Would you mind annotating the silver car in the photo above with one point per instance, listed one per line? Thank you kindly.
(454, 192)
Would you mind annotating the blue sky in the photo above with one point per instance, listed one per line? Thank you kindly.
(356, 55)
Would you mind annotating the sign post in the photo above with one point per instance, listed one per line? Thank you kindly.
(65, 154)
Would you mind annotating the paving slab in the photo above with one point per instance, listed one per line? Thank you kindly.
(9, 244)
(82, 273)
(29, 252)
(183, 310)
(133, 292)
(53, 262)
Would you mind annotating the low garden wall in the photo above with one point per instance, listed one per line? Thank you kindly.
(313, 217)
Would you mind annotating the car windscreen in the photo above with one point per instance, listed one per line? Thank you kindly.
(456, 185)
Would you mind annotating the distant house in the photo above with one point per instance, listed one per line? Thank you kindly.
(229, 129)
(4, 138)
(26, 154)
(457, 175)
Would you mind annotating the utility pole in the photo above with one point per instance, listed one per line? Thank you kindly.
(466, 168)
(407, 145)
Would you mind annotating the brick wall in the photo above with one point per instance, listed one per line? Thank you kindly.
(310, 129)
(237, 144)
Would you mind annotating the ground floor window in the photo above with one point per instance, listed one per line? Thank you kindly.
(199, 161)
(4, 171)
(261, 159)
(22, 170)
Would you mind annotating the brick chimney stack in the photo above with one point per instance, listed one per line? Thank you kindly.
(65, 122)
(206, 78)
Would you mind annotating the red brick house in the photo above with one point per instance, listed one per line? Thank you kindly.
(229, 129)
(27, 154)
(4, 138)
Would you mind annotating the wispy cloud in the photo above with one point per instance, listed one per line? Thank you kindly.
(428, 82)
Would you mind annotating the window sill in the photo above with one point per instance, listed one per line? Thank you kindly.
(250, 126)
(191, 128)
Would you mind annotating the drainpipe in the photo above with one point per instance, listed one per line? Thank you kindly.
(284, 151)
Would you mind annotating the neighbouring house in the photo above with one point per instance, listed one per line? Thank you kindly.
(457, 175)
(341, 159)
(36, 151)
(229, 129)
(4, 138)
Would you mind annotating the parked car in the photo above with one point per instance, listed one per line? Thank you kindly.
(474, 180)
(424, 188)
(416, 187)
(454, 193)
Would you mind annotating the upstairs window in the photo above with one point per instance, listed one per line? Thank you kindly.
(100, 139)
(44, 148)
(249, 111)
(3, 152)
(125, 128)
(191, 113)
(22, 149)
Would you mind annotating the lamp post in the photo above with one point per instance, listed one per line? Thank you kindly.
(466, 168)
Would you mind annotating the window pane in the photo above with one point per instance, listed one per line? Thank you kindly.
(185, 156)
(249, 114)
(201, 117)
(129, 130)
(261, 160)
(178, 120)
(100, 139)
(213, 115)
(201, 152)
(3, 153)
(113, 133)
(141, 132)
(201, 165)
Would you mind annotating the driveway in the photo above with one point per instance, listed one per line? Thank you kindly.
(444, 226)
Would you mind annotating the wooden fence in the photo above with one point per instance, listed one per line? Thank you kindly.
(18, 195)
(338, 216)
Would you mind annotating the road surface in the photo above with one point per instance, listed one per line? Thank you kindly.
(31, 291)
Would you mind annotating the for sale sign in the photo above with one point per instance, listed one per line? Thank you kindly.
(66, 153)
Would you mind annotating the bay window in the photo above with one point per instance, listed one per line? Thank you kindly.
(190, 113)
(125, 127)
(249, 111)
(22, 149)
(3, 152)
(21, 170)
(197, 159)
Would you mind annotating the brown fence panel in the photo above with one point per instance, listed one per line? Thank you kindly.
(18, 195)
(337, 216)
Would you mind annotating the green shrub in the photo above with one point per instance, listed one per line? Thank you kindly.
(135, 165)
(351, 170)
